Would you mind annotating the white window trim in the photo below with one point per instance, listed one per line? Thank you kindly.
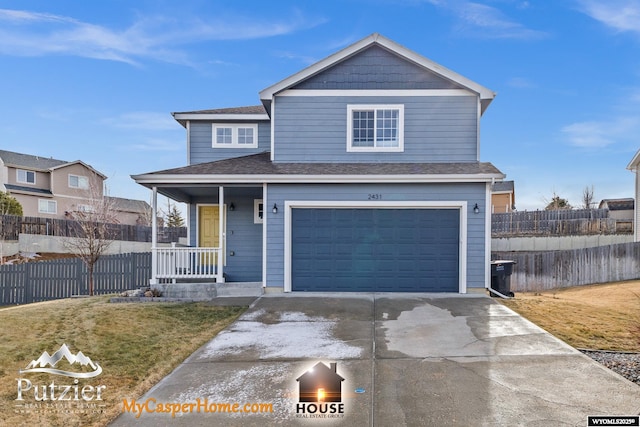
(234, 135)
(26, 172)
(310, 204)
(55, 204)
(80, 177)
(256, 211)
(358, 107)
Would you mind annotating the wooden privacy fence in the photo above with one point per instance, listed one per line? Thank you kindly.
(557, 223)
(63, 278)
(539, 271)
(12, 226)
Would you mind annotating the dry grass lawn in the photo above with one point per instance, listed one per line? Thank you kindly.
(603, 317)
(135, 344)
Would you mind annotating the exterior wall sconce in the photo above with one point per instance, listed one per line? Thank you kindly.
(232, 207)
(476, 209)
(275, 209)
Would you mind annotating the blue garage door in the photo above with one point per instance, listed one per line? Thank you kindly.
(381, 250)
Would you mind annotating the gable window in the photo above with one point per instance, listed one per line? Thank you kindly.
(76, 181)
(47, 206)
(25, 177)
(258, 211)
(235, 136)
(375, 127)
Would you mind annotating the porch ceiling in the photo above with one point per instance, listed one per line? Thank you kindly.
(188, 193)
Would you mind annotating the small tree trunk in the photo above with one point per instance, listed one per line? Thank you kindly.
(90, 279)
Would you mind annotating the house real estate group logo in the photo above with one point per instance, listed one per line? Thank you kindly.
(52, 397)
(320, 393)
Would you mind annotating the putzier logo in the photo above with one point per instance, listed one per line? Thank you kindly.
(41, 363)
(320, 392)
(46, 363)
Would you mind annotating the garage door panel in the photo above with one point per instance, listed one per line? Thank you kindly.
(384, 250)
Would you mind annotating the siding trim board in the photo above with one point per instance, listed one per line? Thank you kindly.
(311, 204)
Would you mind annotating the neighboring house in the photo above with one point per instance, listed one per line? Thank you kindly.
(619, 209)
(634, 166)
(503, 197)
(134, 212)
(47, 187)
(359, 173)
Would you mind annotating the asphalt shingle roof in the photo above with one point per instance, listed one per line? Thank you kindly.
(260, 164)
(29, 161)
(252, 109)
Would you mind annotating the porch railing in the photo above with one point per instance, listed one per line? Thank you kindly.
(188, 263)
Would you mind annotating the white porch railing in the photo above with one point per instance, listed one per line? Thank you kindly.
(188, 263)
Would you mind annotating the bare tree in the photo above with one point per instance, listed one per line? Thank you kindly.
(587, 197)
(556, 203)
(92, 231)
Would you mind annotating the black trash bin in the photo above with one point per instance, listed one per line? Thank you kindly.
(501, 276)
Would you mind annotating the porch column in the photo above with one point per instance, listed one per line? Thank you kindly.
(154, 236)
(220, 266)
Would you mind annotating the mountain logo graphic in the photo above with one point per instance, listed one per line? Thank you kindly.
(46, 363)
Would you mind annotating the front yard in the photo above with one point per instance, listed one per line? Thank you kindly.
(603, 317)
(135, 344)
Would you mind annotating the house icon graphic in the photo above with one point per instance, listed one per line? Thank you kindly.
(321, 383)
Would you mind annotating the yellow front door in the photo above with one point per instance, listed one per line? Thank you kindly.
(209, 228)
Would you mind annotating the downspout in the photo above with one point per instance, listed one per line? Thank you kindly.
(264, 234)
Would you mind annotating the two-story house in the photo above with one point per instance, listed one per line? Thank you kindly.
(358, 173)
(51, 188)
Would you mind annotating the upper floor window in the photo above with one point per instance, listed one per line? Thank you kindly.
(235, 135)
(47, 206)
(76, 181)
(25, 177)
(375, 127)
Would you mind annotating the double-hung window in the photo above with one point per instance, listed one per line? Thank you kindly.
(375, 127)
(76, 181)
(235, 135)
(25, 177)
(47, 206)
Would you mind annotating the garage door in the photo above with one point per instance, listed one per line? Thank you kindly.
(381, 250)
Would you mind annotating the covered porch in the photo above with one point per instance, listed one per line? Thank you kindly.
(226, 238)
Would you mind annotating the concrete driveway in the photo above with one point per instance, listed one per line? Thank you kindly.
(405, 359)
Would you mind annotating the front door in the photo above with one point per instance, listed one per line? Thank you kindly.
(209, 229)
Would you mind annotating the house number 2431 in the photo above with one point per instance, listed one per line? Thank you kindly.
(374, 197)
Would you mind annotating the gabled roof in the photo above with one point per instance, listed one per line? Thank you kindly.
(486, 95)
(28, 161)
(37, 163)
(252, 112)
(635, 162)
(129, 205)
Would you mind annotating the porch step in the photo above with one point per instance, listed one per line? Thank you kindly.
(209, 291)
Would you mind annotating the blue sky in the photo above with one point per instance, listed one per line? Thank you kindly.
(96, 81)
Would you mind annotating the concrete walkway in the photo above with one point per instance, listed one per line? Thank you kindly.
(406, 359)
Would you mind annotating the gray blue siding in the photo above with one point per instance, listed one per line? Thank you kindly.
(471, 192)
(376, 68)
(436, 129)
(244, 237)
(202, 151)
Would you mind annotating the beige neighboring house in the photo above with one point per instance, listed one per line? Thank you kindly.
(634, 166)
(503, 197)
(51, 188)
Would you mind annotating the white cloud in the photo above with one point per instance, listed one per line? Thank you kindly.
(486, 21)
(26, 33)
(521, 83)
(621, 15)
(156, 144)
(600, 134)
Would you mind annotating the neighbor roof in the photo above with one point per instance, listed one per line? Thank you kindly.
(617, 204)
(502, 187)
(38, 163)
(129, 205)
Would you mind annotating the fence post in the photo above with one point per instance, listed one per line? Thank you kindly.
(28, 287)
